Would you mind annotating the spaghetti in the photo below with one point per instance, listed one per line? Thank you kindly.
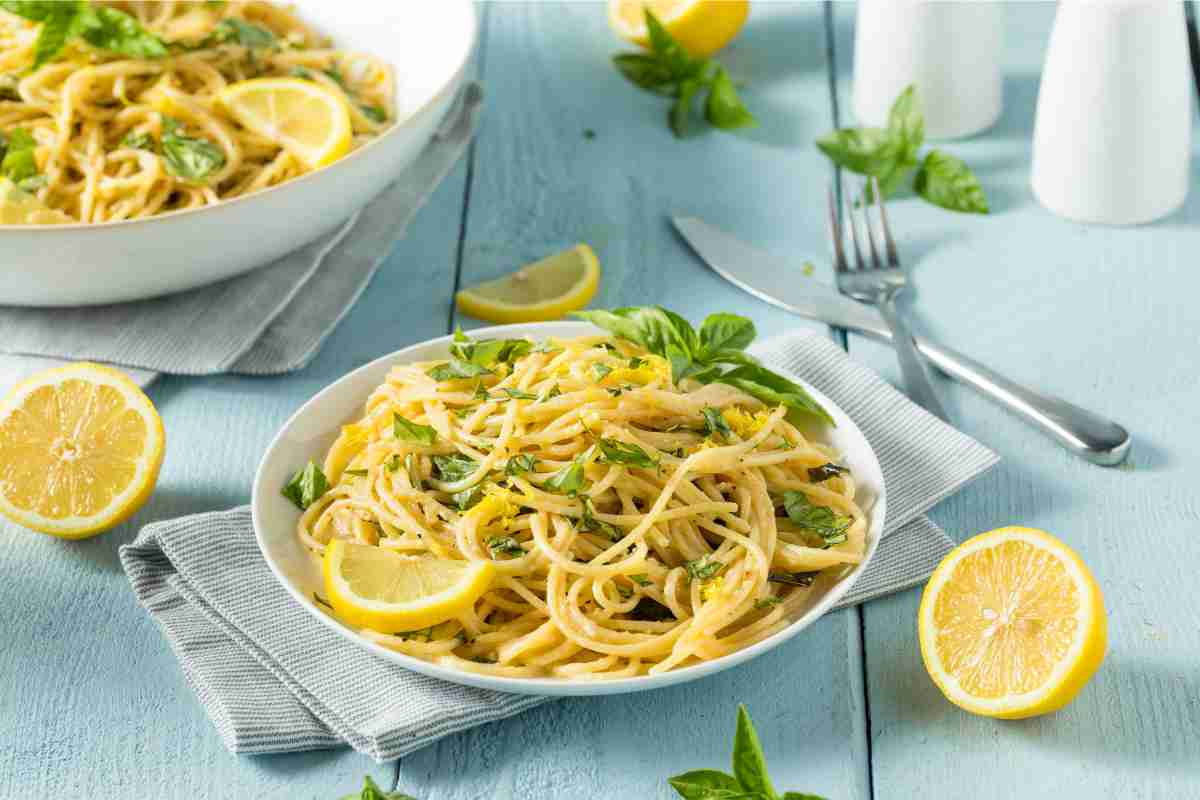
(116, 137)
(635, 526)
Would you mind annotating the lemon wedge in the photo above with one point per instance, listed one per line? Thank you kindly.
(702, 27)
(544, 290)
(1012, 624)
(80, 449)
(22, 208)
(370, 587)
(307, 119)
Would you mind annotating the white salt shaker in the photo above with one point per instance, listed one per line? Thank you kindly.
(950, 50)
(1113, 138)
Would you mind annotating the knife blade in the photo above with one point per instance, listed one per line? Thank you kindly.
(1084, 433)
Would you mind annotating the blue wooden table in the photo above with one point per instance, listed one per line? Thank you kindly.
(92, 703)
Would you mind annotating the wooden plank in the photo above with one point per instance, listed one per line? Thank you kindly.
(541, 185)
(1105, 317)
(92, 701)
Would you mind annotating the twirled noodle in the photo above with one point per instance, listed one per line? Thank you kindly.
(670, 548)
(82, 108)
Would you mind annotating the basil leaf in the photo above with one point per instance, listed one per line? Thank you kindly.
(306, 486)
(140, 141)
(701, 569)
(793, 578)
(906, 124)
(517, 394)
(588, 522)
(58, 27)
(481, 393)
(407, 431)
(19, 161)
(645, 71)
(600, 370)
(568, 480)
(825, 472)
(467, 498)
(117, 32)
(699, 784)
(455, 369)
(723, 108)
(186, 157)
(454, 468)
(681, 109)
(232, 30)
(505, 545)
(820, 520)
(393, 463)
(767, 602)
(371, 790)
(948, 182)
(637, 362)
(554, 392)
(488, 352)
(520, 464)
(715, 424)
(867, 151)
(774, 390)
(749, 765)
(640, 579)
(650, 610)
(724, 333)
(376, 114)
(669, 52)
(614, 451)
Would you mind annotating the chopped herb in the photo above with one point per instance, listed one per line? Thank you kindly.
(411, 432)
(640, 579)
(322, 601)
(420, 633)
(468, 498)
(588, 522)
(568, 480)
(650, 610)
(825, 472)
(393, 463)
(767, 602)
(624, 591)
(18, 161)
(488, 352)
(376, 114)
(232, 30)
(714, 423)
(100, 26)
(520, 464)
(793, 578)
(505, 545)
(188, 157)
(8, 88)
(637, 362)
(819, 520)
(140, 141)
(481, 393)
(454, 468)
(306, 486)
(615, 451)
(517, 394)
(456, 368)
(355, 473)
(701, 569)
(600, 370)
(550, 395)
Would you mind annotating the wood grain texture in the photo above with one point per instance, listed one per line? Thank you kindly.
(1105, 317)
(92, 702)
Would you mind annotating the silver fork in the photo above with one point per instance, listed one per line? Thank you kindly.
(879, 284)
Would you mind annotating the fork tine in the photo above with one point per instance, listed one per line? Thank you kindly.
(889, 244)
(853, 226)
(876, 263)
(835, 234)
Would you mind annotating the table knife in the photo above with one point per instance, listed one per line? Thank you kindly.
(1084, 433)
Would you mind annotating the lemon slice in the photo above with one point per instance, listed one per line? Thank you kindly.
(80, 448)
(544, 290)
(22, 208)
(370, 587)
(1012, 624)
(702, 27)
(307, 119)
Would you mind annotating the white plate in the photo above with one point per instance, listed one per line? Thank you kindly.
(428, 46)
(310, 431)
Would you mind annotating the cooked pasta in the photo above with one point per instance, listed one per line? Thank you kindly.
(123, 120)
(635, 526)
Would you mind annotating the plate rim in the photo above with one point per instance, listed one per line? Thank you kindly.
(555, 686)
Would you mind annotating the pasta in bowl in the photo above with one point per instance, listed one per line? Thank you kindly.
(637, 533)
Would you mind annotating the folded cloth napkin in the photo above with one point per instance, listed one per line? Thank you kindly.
(274, 679)
(268, 321)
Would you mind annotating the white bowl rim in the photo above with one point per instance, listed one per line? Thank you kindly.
(560, 686)
(422, 110)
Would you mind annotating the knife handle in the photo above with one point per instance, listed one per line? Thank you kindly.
(1089, 435)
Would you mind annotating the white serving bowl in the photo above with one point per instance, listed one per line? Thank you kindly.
(310, 431)
(428, 45)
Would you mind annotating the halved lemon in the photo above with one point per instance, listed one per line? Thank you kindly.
(307, 119)
(370, 587)
(18, 207)
(544, 290)
(80, 449)
(702, 27)
(1012, 624)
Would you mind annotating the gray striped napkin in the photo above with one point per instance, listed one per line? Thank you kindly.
(273, 679)
(268, 321)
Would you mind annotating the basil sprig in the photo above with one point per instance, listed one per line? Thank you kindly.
(100, 26)
(187, 157)
(408, 431)
(18, 162)
(890, 154)
(306, 486)
(749, 781)
(668, 70)
(714, 354)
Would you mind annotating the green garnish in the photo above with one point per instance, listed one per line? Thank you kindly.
(600, 370)
(411, 432)
(640, 579)
(468, 498)
(588, 522)
(393, 463)
(187, 157)
(550, 395)
(767, 602)
(818, 520)
(714, 354)
(701, 569)
(615, 451)
(140, 141)
(481, 392)
(454, 468)
(100, 26)
(232, 30)
(455, 369)
(890, 154)
(371, 791)
(825, 472)
(520, 464)
(637, 362)
(306, 486)
(18, 162)
(374, 113)
(488, 352)
(715, 424)
(667, 69)
(517, 394)
(505, 545)
(568, 480)
(793, 578)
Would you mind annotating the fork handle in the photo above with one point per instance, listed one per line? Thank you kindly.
(917, 382)
(1088, 435)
